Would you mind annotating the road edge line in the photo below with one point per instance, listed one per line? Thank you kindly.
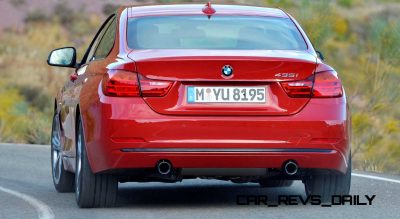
(25, 145)
(376, 178)
(43, 210)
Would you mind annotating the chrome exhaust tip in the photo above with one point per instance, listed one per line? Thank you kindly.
(164, 167)
(290, 168)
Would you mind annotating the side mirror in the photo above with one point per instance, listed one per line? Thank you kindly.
(320, 55)
(63, 57)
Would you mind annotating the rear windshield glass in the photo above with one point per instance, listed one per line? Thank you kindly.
(217, 33)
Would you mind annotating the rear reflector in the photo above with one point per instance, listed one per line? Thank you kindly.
(120, 83)
(322, 85)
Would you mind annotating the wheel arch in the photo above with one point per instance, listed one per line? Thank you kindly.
(80, 118)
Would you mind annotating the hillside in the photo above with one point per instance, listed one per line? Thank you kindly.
(13, 12)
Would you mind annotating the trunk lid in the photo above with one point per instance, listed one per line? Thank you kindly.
(189, 68)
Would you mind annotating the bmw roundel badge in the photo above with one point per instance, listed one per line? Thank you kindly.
(227, 70)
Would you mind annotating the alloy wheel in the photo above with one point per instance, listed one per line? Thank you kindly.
(78, 162)
(56, 157)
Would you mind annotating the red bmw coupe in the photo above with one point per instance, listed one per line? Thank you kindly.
(166, 93)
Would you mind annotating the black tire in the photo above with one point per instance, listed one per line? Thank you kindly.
(92, 190)
(63, 180)
(275, 183)
(328, 184)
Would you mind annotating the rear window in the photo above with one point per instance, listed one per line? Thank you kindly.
(217, 33)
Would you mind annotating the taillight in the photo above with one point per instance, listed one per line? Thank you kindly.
(327, 84)
(320, 85)
(154, 88)
(121, 84)
(128, 84)
(298, 88)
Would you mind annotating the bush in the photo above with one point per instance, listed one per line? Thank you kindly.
(109, 8)
(36, 16)
(346, 3)
(17, 3)
(12, 115)
(64, 13)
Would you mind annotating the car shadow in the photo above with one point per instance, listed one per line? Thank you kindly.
(196, 193)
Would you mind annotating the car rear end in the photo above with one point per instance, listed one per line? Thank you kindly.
(230, 96)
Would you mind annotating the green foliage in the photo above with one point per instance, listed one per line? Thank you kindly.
(384, 38)
(35, 97)
(28, 86)
(17, 3)
(109, 8)
(64, 13)
(35, 16)
(279, 3)
(38, 129)
(314, 20)
(13, 114)
(346, 3)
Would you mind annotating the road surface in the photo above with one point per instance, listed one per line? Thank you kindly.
(26, 191)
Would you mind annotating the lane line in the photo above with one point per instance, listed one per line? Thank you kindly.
(25, 145)
(43, 210)
(376, 178)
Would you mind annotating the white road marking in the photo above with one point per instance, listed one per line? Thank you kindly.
(44, 211)
(25, 145)
(375, 177)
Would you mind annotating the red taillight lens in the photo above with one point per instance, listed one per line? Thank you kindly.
(320, 85)
(128, 84)
(299, 88)
(121, 84)
(327, 84)
(154, 88)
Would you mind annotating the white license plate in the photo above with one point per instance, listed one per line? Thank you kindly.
(225, 94)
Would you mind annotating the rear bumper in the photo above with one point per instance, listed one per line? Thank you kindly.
(330, 159)
(126, 133)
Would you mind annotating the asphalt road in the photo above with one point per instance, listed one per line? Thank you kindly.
(26, 191)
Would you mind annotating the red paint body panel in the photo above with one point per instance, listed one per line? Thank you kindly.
(127, 124)
(203, 67)
(278, 103)
(112, 124)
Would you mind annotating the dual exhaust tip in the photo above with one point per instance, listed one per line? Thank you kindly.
(164, 167)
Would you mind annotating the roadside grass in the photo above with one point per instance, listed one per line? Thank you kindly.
(360, 39)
